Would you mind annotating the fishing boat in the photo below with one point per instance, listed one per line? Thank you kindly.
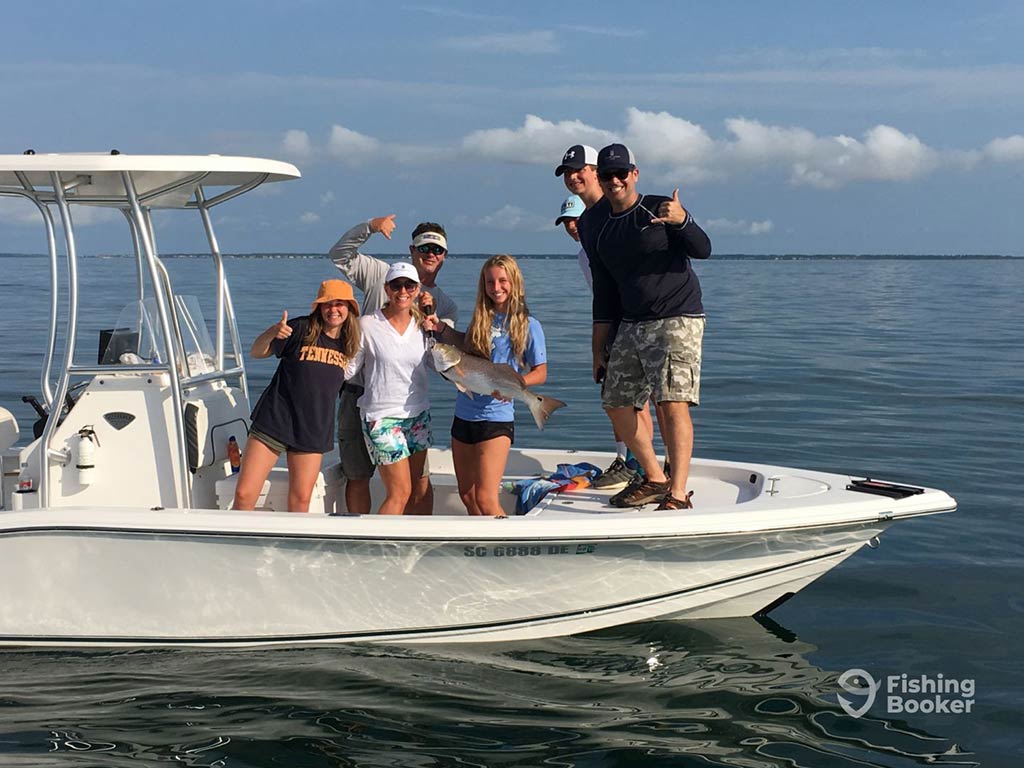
(115, 528)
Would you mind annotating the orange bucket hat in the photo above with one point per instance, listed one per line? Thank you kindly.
(336, 290)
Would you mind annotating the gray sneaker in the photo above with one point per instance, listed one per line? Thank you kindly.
(615, 477)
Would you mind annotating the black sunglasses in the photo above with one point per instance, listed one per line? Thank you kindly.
(620, 174)
(435, 250)
(397, 285)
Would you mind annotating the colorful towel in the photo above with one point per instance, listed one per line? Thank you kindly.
(569, 477)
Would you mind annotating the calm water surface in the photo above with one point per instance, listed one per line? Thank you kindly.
(904, 369)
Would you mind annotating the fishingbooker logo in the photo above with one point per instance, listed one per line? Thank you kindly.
(858, 682)
(906, 694)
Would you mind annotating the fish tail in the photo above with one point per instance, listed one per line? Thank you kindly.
(542, 407)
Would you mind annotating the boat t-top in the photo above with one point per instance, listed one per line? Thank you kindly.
(115, 526)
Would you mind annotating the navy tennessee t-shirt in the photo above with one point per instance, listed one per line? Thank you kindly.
(297, 408)
(642, 270)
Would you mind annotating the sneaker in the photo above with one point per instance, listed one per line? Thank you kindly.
(671, 502)
(640, 491)
(615, 477)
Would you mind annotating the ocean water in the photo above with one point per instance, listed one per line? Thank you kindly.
(904, 369)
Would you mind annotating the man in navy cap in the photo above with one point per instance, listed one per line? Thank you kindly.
(578, 170)
(640, 248)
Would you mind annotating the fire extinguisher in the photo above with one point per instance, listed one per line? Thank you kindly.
(86, 463)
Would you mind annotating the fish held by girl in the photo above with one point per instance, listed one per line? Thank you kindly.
(476, 375)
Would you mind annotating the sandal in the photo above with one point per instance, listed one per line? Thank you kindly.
(671, 502)
(640, 491)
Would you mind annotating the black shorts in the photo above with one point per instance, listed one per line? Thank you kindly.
(472, 432)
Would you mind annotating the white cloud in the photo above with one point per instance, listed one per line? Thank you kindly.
(755, 143)
(22, 213)
(509, 218)
(673, 150)
(827, 162)
(536, 42)
(296, 144)
(19, 212)
(738, 227)
(327, 197)
(90, 215)
(672, 147)
(309, 217)
(663, 139)
(351, 147)
(1006, 150)
(891, 154)
(537, 141)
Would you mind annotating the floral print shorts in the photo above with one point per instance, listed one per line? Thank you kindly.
(389, 440)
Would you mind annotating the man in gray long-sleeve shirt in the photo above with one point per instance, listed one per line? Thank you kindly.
(428, 250)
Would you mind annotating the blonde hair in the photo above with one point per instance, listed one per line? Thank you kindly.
(478, 335)
(349, 337)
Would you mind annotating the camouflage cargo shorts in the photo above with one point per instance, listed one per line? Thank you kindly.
(657, 359)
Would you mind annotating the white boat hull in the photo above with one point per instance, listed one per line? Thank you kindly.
(224, 578)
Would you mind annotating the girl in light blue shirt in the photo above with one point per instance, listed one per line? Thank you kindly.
(502, 330)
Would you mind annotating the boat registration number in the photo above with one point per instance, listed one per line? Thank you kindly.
(529, 550)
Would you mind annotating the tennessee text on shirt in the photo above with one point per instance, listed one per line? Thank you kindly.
(311, 353)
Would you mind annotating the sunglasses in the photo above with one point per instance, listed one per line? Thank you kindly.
(433, 250)
(621, 174)
(403, 285)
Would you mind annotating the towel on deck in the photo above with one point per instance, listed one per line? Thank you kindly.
(569, 477)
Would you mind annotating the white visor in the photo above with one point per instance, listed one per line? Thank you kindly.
(434, 238)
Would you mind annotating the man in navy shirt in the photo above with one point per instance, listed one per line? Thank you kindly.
(639, 247)
(578, 170)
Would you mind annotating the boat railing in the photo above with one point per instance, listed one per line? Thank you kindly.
(51, 249)
(225, 314)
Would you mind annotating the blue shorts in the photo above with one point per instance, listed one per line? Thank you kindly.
(389, 440)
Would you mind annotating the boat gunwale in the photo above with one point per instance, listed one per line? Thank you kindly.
(441, 539)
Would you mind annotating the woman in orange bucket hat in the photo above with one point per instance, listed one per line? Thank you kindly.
(295, 414)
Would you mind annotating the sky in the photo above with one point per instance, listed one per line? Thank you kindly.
(788, 127)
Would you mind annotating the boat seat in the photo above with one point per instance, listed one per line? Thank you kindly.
(9, 431)
(207, 443)
(274, 494)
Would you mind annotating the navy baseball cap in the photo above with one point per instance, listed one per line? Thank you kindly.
(615, 157)
(577, 156)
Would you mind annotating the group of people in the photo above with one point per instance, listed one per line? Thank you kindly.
(648, 323)
(648, 317)
(381, 370)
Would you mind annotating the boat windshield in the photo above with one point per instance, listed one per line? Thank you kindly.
(138, 338)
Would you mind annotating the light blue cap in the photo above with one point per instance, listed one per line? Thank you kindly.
(572, 207)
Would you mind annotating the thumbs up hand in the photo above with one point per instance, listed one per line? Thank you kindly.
(283, 329)
(671, 211)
